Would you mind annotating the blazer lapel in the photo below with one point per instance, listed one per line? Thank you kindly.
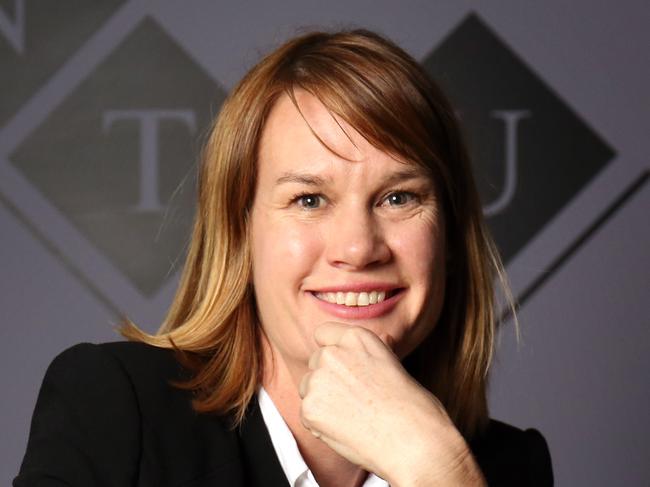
(261, 465)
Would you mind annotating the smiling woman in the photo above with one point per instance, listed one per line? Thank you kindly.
(335, 321)
(353, 224)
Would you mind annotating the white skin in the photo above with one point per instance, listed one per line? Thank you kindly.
(323, 221)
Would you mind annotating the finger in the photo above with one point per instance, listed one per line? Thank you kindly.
(388, 340)
(330, 333)
(319, 358)
(314, 359)
(303, 387)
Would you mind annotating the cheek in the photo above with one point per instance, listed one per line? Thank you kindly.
(284, 252)
(420, 250)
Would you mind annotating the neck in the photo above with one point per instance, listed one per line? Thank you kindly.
(281, 383)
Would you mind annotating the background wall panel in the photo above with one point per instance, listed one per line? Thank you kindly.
(96, 95)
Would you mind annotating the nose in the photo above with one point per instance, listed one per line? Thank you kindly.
(356, 240)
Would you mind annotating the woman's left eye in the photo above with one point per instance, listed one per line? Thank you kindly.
(399, 198)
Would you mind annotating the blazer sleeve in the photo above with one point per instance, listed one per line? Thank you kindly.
(511, 457)
(538, 459)
(85, 430)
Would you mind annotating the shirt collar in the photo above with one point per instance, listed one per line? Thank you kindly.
(284, 443)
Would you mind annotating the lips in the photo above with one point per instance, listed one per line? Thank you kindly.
(364, 302)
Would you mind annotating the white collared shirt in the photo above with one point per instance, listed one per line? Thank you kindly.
(286, 448)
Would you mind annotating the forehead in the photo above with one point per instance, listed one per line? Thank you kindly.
(309, 119)
(309, 136)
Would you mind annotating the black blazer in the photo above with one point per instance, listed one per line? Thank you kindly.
(106, 415)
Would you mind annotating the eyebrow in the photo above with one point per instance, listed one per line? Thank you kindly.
(301, 178)
(406, 175)
(314, 180)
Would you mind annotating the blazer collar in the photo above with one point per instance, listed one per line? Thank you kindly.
(261, 465)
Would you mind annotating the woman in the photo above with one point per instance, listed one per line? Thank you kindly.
(335, 319)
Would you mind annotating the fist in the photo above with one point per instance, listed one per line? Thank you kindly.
(359, 400)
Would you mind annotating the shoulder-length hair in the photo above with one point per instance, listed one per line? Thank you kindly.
(388, 98)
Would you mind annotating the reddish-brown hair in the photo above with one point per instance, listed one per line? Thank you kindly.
(387, 97)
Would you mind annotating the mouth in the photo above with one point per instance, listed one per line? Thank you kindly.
(359, 304)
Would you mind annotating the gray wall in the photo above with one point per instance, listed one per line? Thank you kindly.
(102, 107)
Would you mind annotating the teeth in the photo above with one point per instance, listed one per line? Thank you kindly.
(353, 299)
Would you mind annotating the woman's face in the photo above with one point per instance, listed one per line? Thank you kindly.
(359, 241)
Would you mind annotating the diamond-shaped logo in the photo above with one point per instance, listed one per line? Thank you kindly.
(36, 38)
(531, 152)
(118, 156)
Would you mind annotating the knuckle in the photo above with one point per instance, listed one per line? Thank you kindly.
(308, 410)
(303, 388)
(328, 355)
(314, 360)
(352, 335)
(357, 337)
(317, 378)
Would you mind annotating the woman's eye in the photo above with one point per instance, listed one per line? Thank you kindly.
(309, 201)
(399, 198)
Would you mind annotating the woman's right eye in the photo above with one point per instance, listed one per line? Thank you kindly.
(309, 201)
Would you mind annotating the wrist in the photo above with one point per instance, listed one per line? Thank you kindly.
(457, 468)
(465, 473)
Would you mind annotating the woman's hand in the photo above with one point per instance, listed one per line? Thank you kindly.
(359, 400)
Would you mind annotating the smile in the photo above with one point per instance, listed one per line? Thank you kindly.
(360, 304)
(354, 299)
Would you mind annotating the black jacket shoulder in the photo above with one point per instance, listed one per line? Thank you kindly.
(510, 456)
(108, 415)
